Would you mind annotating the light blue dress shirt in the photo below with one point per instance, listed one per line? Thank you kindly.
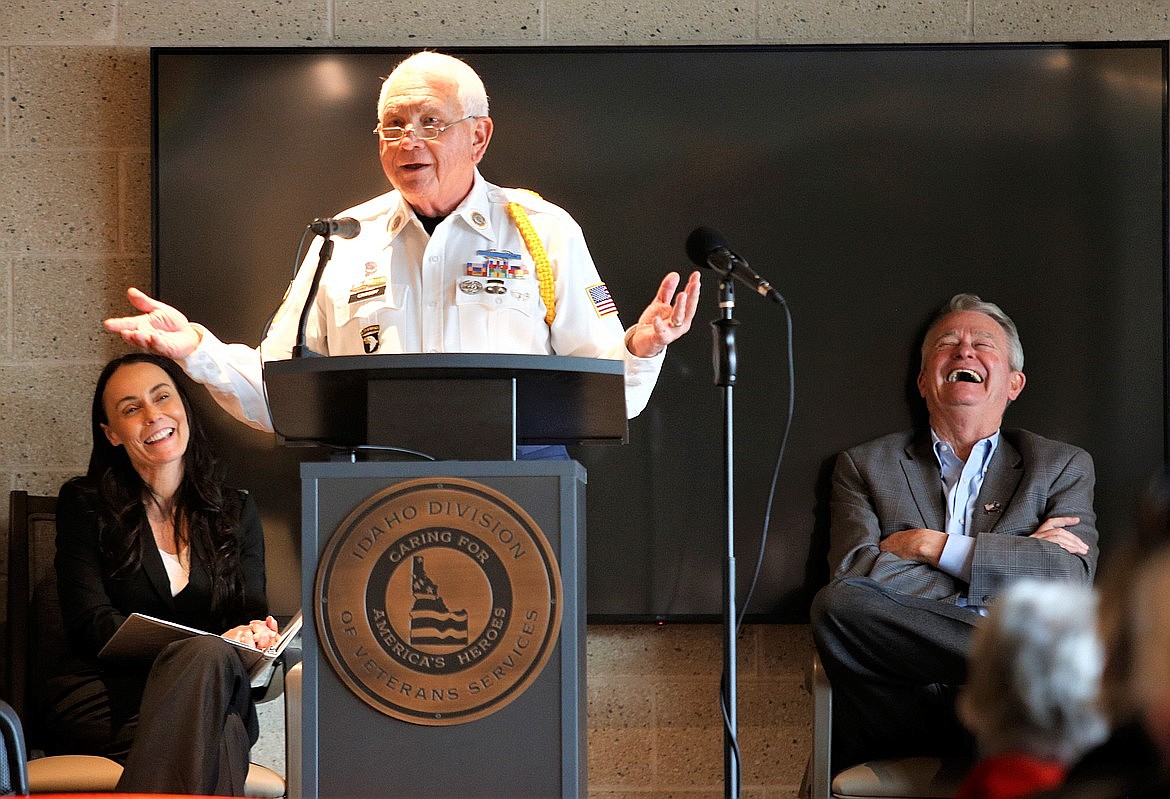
(961, 482)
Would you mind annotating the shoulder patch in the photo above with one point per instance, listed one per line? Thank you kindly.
(603, 303)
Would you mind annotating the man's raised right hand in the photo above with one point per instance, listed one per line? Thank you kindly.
(160, 328)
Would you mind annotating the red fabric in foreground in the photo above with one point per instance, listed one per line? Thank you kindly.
(1010, 776)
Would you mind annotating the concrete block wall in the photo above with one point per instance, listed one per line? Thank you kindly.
(75, 231)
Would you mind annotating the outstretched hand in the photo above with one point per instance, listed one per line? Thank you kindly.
(666, 318)
(160, 328)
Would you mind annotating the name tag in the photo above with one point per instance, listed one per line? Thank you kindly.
(367, 289)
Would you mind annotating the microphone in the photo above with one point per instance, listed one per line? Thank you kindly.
(346, 227)
(707, 247)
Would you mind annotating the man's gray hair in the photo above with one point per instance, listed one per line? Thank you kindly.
(473, 99)
(970, 302)
(1034, 673)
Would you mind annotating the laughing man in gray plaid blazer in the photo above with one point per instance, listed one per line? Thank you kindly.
(927, 528)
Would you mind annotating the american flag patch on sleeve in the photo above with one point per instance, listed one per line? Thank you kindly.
(602, 302)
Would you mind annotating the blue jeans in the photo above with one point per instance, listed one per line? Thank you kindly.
(541, 452)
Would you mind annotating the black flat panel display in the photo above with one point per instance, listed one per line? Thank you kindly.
(868, 184)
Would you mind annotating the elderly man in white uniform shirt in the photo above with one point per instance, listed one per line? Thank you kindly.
(446, 262)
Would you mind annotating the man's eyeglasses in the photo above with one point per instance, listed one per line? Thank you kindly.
(426, 132)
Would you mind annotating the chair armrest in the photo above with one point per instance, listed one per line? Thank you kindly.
(819, 777)
(13, 751)
(268, 683)
(292, 730)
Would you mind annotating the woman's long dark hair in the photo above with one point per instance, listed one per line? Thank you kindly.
(207, 513)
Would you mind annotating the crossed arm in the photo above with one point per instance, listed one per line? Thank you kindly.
(925, 546)
(1046, 530)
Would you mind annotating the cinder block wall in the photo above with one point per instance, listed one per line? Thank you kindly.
(75, 231)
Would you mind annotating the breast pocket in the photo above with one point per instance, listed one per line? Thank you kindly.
(369, 324)
(496, 315)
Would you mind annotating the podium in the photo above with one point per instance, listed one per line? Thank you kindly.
(444, 651)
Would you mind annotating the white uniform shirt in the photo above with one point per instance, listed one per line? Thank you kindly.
(469, 287)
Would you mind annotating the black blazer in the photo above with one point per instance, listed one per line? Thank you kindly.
(94, 605)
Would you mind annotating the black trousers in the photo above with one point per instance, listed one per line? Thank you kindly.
(187, 728)
(895, 663)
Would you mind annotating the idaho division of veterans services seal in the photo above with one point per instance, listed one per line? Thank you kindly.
(438, 601)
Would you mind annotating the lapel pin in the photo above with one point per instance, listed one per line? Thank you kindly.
(991, 507)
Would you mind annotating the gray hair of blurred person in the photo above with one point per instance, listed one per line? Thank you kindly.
(473, 99)
(970, 302)
(1034, 673)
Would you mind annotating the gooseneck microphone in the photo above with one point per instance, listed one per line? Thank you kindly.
(346, 227)
(707, 247)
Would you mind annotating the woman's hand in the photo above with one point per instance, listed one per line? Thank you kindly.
(260, 634)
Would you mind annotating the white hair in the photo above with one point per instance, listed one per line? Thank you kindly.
(473, 99)
(971, 302)
(1034, 673)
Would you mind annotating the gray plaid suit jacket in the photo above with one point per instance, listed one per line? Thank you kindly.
(893, 484)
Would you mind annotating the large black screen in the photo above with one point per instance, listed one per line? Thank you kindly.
(868, 184)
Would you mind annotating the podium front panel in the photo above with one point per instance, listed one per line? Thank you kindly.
(468, 419)
(532, 746)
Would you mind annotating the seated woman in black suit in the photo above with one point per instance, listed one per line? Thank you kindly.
(151, 528)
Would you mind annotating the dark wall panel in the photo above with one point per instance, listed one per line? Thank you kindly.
(868, 184)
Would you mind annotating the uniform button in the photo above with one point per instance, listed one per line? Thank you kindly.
(434, 259)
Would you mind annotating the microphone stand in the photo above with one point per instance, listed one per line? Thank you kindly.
(723, 357)
(323, 256)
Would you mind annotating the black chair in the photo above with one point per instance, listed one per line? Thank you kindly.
(13, 773)
(36, 640)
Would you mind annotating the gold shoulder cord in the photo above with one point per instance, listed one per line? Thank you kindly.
(539, 257)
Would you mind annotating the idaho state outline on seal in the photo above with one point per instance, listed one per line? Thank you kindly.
(438, 601)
